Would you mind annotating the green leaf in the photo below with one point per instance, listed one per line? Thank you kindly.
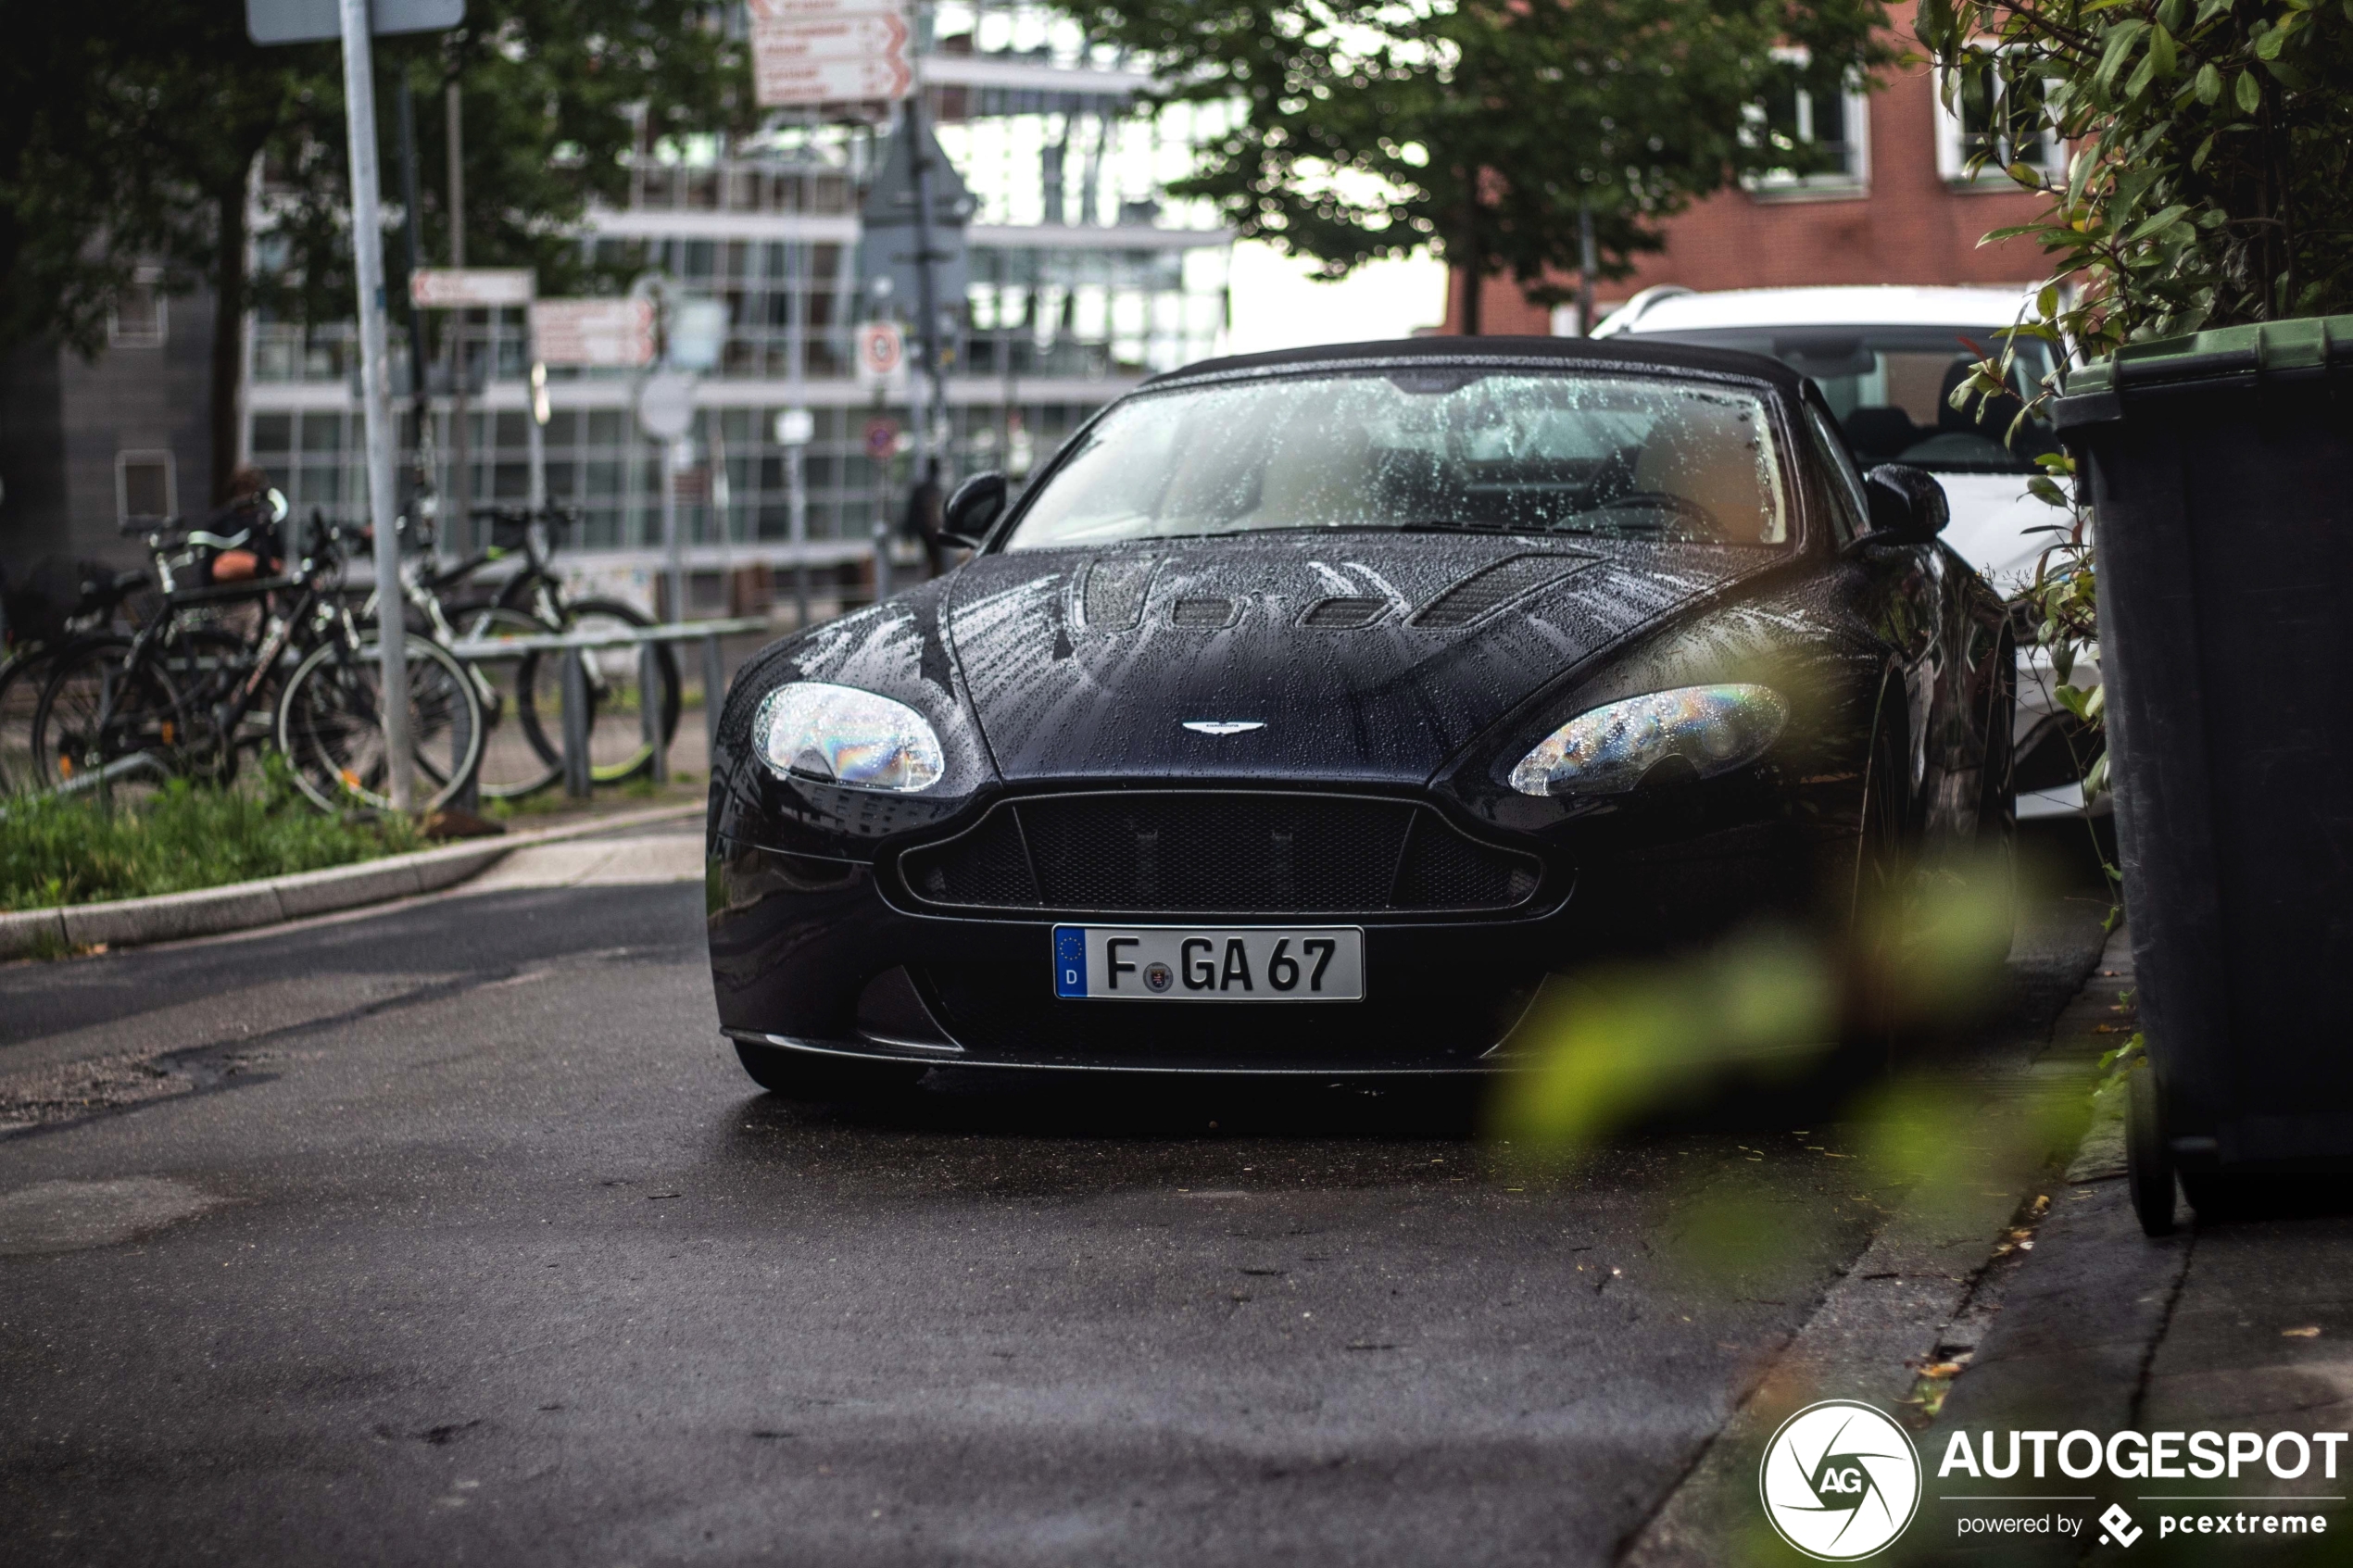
(2197, 159)
(2120, 41)
(2251, 92)
(2270, 42)
(2208, 84)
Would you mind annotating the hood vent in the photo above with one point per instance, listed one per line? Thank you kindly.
(1113, 596)
(1344, 612)
(1491, 588)
(1205, 614)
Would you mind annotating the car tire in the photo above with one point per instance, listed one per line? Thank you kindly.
(1885, 857)
(809, 1075)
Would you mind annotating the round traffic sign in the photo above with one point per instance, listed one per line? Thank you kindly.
(882, 439)
(666, 405)
(882, 349)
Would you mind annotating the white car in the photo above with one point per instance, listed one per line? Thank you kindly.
(1888, 358)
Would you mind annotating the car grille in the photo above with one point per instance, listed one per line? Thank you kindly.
(1218, 852)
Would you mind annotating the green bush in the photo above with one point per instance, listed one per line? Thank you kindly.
(74, 850)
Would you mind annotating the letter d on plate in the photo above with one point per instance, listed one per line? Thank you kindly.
(1070, 961)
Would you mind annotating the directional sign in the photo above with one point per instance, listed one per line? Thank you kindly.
(611, 332)
(812, 10)
(780, 79)
(315, 21)
(457, 288)
(877, 35)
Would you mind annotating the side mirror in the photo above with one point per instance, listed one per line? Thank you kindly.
(973, 509)
(1908, 505)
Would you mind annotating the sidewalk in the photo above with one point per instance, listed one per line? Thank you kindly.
(2243, 1324)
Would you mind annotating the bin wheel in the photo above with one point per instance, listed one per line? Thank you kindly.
(2149, 1164)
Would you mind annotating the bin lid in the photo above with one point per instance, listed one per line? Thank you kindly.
(2093, 393)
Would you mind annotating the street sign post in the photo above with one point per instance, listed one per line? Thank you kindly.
(808, 52)
(600, 334)
(305, 21)
(666, 412)
(471, 288)
(366, 229)
(316, 22)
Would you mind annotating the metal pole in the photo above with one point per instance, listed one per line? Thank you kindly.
(932, 428)
(535, 420)
(796, 453)
(1586, 262)
(674, 568)
(649, 709)
(367, 233)
(714, 693)
(579, 776)
(461, 434)
(422, 501)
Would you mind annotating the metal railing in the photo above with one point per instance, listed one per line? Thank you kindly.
(578, 778)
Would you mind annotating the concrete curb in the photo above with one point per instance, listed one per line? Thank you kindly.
(242, 906)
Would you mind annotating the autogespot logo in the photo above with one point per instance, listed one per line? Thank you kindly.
(1840, 1480)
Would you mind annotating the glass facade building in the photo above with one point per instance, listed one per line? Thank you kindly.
(1083, 278)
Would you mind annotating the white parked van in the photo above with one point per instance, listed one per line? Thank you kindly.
(1887, 358)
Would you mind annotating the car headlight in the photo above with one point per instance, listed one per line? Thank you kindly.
(1611, 749)
(848, 737)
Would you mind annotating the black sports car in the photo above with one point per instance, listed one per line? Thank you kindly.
(1310, 708)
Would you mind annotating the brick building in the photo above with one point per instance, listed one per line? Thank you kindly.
(1900, 207)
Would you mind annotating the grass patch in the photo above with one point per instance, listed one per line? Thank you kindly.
(71, 850)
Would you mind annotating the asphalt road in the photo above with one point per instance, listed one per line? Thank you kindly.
(454, 1233)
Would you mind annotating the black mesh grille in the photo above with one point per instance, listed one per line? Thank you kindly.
(1225, 852)
(1209, 613)
(1114, 594)
(1343, 612)
(1485, 590)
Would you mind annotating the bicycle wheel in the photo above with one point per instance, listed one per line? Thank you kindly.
(22, 677)
(205, 664)
(516, 760)
(617, 698)
(331, 729)
(98, 709)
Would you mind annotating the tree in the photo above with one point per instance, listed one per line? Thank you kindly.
(1478, 128)
(137, 133)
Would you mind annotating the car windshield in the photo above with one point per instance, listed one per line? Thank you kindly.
(1447, 448)
(1891, 389)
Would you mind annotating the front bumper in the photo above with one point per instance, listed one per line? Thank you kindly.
(839, 957)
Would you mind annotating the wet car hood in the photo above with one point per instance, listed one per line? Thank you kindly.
(1364, 658)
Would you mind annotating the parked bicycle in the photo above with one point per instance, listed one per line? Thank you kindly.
(522, 699)
(58, 601)
(187, 693)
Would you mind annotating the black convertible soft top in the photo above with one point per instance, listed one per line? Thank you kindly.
(1473, 350)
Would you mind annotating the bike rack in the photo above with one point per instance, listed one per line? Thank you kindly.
(578, 774)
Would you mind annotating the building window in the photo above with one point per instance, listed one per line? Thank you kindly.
(145, 486)
(1990, 114)
(140, 318)
(1835, 127)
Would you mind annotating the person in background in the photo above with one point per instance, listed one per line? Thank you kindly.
(248, 524)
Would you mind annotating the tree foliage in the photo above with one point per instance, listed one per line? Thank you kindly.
(2210, 178)
(1477, 129)
(130, 136)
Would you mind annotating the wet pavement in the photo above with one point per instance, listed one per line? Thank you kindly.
(461, 1237)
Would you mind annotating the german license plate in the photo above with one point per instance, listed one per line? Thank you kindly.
(1177, 963)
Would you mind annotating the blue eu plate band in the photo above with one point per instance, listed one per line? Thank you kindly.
(1070, 960)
